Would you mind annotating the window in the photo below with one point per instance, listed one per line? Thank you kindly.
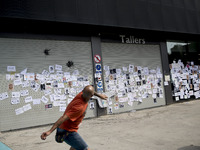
(177, 50)
(185, 51)
(184, 67)
(193, 47)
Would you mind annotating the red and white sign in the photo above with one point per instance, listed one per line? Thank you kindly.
(97, 58)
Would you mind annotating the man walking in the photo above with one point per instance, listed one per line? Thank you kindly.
(72, 117)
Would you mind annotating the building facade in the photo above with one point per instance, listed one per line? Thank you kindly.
(142, 54)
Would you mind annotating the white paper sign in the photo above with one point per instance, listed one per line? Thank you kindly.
(154, 91)
(37, 86)
(61, 85)
(118, 71)
(30, 76)
(63, 97)
(116, 106)
(86, 83)
(15, 101)
(56, 103)
(191, 92)
(24, 92)
(19, 111)
(40, 76)
(124, 69)
(166, 83)
(177, 98)
(62, 108)
(8, 77)
(17, 82)
(76, 72)
(57, 91)
(28, 99)
(130, 103)
(4, 95)
(27, 107)
(104, 103)
(110, 110)
(92, 105)
(120, 95)
(15, 94)
(11, 68)
(106, 68)
(154, 96)
(51, 69)
(36, 101)
(58, 67)
(74, 78)
(67, 75)
(51, 97)
(47, 92)
(45, 73)
(24, 71)
(25, 84)
(131, 68)
(109, 102)
(59, 103)
(140, 99)
(44, 99)
(97, 75)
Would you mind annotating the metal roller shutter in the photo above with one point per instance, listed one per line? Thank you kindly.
(117, 56)
(29, 53)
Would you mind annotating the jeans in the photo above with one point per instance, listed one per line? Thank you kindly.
(74, 140)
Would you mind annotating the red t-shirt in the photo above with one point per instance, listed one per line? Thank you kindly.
(75, 111)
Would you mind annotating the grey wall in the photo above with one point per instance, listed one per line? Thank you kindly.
(28, 53)
(118, 55)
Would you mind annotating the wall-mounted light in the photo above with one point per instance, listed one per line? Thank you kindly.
(46, 51)
(70, 64)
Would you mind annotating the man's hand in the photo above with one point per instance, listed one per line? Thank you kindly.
(56, 125)
(45, 134)
(102, 96)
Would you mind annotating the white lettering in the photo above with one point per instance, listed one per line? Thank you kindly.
(132, 39)
(143, 41)
(122, 36)
(137, 40)
(128, 40)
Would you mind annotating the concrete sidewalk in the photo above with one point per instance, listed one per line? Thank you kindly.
(173, 127)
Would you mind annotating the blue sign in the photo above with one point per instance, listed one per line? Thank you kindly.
(98, 72)
(98, 67)
(99, 90)
(99, 84)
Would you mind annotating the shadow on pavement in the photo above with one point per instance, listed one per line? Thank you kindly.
(191, 147)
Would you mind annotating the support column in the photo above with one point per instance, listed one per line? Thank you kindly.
(166, 72)
(98, 70)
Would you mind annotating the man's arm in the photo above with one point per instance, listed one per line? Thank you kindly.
(56, 124)
(102, 96)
